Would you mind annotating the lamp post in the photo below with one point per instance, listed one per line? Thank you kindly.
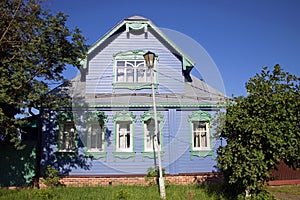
(150, 59)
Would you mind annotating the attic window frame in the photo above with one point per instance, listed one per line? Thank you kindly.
(134, 59)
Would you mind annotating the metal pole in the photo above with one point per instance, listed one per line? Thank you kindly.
(161, 182)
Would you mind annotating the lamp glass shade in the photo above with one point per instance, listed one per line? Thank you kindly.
(149, 58)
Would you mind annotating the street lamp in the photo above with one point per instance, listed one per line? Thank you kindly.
(150, 59)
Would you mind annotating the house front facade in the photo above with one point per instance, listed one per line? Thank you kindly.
(106, 135)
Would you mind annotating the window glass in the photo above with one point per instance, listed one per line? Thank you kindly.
(149, 132)
(95, 136)
(66, 138)
(124, 136)
(200, 135)
(132, 71)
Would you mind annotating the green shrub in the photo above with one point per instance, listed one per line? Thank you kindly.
(51, 178)
(123, 194)
(153, 174)
(44, 194)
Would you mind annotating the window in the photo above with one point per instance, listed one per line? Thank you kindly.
(200, 133)
(95, 136)
(66, 132)
(66, 137)
(131, 72)
(149, 133)
(150, 136)
(124, 134)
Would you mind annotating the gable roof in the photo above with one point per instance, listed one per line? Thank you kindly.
(137, 22)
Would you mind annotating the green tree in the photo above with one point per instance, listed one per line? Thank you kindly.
(35, 49)
(261, 130)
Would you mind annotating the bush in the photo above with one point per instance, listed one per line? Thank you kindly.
(51, 178)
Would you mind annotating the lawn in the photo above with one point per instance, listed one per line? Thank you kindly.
(114, 193)
(291, 192)
(212, 192)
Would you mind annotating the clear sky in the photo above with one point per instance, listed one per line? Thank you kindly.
(240, 36)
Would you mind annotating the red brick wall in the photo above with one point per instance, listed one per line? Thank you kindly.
(182, 179)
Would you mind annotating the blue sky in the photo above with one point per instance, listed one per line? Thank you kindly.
(240, 36)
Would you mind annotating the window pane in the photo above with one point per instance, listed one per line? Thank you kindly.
(124, 139)
(148, 76)
(134, 71)
(129, 75)
(141, 75)
(149, 135)
(95, 136)
(140, 63)
(120, 74)
(200, 134)
(67, 137)
(130, 63)
(120, 63)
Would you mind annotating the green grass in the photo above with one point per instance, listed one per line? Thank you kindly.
(291, 192)
(203, 192)
(115, 193)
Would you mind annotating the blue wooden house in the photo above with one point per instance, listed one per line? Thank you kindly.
(106, 133)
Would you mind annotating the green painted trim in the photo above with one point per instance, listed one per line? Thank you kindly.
(151, 155)
(130, 55)
(95, 115)
(202, 153)
(133, 86)
(124, 115)
(204, 116)
(200, 115)
(158, 105)
(136, 26)
(124, 155)
(94, 154)
(150, 114)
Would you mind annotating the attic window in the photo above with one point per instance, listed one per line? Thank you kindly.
(130, 71)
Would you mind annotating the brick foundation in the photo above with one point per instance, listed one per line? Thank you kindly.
(181, 179)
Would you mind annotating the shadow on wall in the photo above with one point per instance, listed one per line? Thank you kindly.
(64, 162)
(17, 166)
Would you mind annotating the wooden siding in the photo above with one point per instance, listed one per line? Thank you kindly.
(176, 149)
(100, 67)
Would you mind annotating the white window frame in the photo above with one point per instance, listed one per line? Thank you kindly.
(66, 137)
(130, 71)
(98, 135)
(200, 134)
(135, 67)
(124, 135)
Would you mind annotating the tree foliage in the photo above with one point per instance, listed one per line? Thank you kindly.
(35, 49)
(261, 130)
